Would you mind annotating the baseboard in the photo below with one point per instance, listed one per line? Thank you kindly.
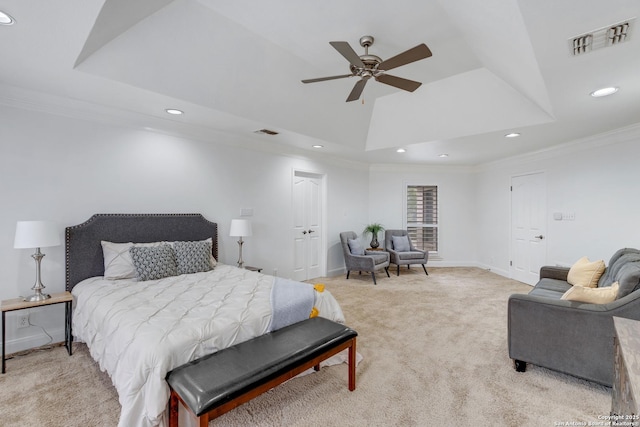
(337, 272)
(38, 339)
(498, 271)
(438, 263)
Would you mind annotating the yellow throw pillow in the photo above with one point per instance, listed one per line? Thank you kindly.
(592, 295)
(585, 273)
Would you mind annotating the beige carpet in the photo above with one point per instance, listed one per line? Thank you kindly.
(435, 354)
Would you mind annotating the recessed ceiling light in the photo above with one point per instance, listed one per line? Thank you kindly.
(401, 150)
(443, 155)
(512, 135)
(5, 19)
(605, 91)
(318, 146)
(174, 111)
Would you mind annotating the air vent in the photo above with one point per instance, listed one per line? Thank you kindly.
(266, 132)
(603, 37)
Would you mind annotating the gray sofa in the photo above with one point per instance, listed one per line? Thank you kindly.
(567, 336)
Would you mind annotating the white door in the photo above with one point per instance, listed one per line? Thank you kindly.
(307, 226)
(528, 227)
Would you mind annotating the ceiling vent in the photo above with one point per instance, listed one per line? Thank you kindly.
(603, 37)
(266, 132)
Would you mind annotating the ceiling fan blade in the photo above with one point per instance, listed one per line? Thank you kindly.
(399, 82)
(321, 79)
(357, 90)
(408, 56)
(347, 51)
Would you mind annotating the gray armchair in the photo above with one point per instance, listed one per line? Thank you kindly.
(404, 255)
(369, 261)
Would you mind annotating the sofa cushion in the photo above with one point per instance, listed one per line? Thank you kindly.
(628, 277)
(585, 273)
(555, 285)
(379, 258)
(620, 258)
(411, 255)
(592, 295)
(546, 293)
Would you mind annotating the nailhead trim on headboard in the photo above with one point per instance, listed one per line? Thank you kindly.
(83, 251)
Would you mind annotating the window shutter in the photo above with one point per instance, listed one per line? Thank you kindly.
(422, 216)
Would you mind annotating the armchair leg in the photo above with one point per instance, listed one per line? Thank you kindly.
(348, 271)
(520, 365)
(386, 269)
(374, 277)
(398, 270)
(425, 269)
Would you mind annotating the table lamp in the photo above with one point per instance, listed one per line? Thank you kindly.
(36, 234)
(240, 228)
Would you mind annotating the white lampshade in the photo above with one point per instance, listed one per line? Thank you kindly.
(240, 228)
(36, 234)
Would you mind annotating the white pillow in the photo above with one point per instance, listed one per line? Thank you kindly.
(118, 263)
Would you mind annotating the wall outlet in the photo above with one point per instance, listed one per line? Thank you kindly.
(23, 321)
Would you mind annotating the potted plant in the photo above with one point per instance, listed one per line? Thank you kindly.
(374, 229)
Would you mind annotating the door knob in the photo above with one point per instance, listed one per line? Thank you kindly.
(540, 237)
(310, 231)
(304, 231)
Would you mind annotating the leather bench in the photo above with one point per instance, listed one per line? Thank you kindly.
(217, 383)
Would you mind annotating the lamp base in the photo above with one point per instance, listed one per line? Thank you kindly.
(37, 297)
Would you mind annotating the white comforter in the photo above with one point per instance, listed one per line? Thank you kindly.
(139, 331)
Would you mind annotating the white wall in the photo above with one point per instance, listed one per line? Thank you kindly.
(65, 169)
(456, 205)
(596, 178)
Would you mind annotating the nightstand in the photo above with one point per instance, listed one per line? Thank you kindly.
(19, 304)
(258, 269)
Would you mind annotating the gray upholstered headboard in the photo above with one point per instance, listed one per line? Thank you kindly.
(84, 252)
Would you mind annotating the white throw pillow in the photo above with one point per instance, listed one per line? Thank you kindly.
(118, 263)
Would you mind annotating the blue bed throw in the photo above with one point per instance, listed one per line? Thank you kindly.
(291, 301)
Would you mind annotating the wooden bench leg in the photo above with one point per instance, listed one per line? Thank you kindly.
(203, 420)
(316, 367)
(352, 366)
(173, 409)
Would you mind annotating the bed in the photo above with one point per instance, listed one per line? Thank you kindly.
(139, 330)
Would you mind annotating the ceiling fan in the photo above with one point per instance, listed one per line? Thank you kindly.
(367, 66)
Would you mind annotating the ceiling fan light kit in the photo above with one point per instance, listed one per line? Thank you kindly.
(371, 66)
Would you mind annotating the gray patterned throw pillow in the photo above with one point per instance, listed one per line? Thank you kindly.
(154, 262)
(193, 257)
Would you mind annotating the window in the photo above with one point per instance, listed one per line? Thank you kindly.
(422, 216)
